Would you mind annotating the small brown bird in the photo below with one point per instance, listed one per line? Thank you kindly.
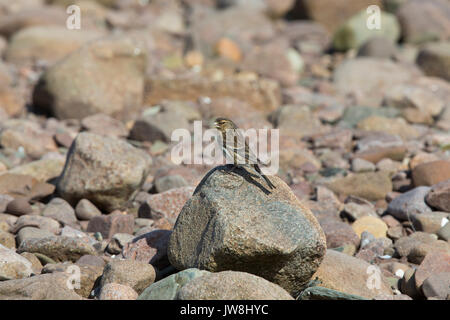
(238, 148)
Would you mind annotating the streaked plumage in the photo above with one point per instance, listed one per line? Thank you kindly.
(237, 149)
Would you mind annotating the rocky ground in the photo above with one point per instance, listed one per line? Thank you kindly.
(88, 190)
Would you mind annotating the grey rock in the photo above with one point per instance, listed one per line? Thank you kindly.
(30, 233)
(91, 260)
(40, 222)
(338, 233)
(409, 204)
(157, 127)
(167, 288)
(434, 59)
(104, 125)
(13, 265)
(88, 275)
(361, 165)
(106, 76)
(437, 285)
(227, 285)
(444, 232)
(19, 207)
(61, 211)
(118, 241)
(344, 273)
(354, 33)
(232, 224)
(41, 287)
(115, 291)
(350, 78)
(423, 21)
(58, 248)
(7, 240)
(4, 201)
(169, 182)
(86, 210)
(107, 171)
(135, 274)
(439, 196)
(378, 47)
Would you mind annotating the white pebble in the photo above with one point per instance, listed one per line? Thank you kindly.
(399, 273)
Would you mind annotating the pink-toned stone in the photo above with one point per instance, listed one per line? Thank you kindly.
(108, 225)
(431, 173)
(439, 196)
(167, 204)
(115, 291)
(150, 248)
(434, 263)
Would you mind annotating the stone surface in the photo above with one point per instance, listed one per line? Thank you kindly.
(40, 287)
(44, 223)
(42, 170)
(430, 222)
(104, 170)
(29, 15)
(434, 263)
(374, 225)
(166, 205)
(354, 32)
(7, 240)
(89, 275)
(409, 204)
(166, 183)
(434, 59)
(431, 173)
(439, 196)
(28, 135)
(423, 21)
(58, 248)
(416, 246)
(59, 210)
(338, 233)
(444, 232)
(417, 104)
(19, 207)
(378, 47)
(108, 225)
(437, 285)
(331, 13)
(344, 273)
(13, 265)
(115, 291)
(228, 285)
(350, 78)
(45, 43)
(394, 126)
(370, 185)
(157, 127)
(135, 274)
(31, 232)
(150, 248)
(195, 241)
(105, 125)
(106, 76)
(261, 93)
(167, 288)
(86, 210)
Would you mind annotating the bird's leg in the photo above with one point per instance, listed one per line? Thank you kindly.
(269, 183)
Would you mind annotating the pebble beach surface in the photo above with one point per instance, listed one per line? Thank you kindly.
(93, 204)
